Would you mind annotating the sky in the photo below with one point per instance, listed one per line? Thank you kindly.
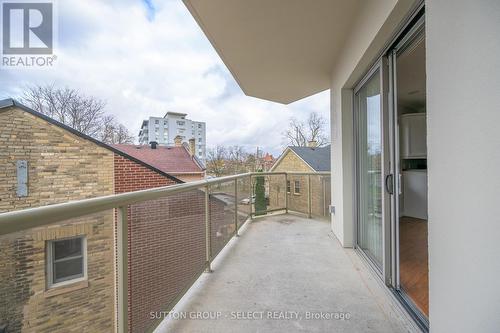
(147, 57)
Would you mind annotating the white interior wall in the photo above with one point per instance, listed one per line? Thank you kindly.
(463, 105)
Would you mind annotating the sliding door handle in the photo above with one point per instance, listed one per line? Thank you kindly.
(389, 183)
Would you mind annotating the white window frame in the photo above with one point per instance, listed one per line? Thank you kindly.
(50, 263)
(288, 186)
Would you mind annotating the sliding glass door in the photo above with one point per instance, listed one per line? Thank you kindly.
(369, 176)
(390, 162)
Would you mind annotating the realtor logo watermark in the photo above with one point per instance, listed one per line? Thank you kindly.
(28, 34)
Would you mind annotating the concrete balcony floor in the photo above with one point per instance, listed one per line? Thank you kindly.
(290, 266)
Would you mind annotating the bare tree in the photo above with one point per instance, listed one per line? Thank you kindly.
(108, 129)
(299, 133)
(236, 159)
(113, 132)
(83, 113)
(123, 135)
(222, 160)
(216, 160)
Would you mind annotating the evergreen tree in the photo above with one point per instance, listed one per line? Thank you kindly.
(260, 196)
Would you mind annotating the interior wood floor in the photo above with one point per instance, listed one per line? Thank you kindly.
(413, 255)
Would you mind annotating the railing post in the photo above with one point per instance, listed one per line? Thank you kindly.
(286, 192)
(250, 188)
(208, 238)
(122, 269)
(236, 208)
(309, 197)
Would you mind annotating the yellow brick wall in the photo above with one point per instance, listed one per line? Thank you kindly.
(291, 162)
(61, 167)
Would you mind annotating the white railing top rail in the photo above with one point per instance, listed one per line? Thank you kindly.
(39, 216)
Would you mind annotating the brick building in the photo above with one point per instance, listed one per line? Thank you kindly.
(43, 162)
(302, 159)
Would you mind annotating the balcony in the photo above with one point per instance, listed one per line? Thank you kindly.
(286, 273)
(267, 250)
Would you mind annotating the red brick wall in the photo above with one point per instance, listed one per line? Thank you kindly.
(168, 251)
(131, 176)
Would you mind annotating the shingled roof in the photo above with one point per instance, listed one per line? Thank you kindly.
(318, 158)
(173, 160)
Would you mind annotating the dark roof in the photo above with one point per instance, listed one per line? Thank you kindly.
(167, 159)
(318, 158)
(9, 102)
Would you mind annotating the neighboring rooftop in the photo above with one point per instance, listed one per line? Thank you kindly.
(174, 160)
(318, 158)
(10, 102)
(268, 158)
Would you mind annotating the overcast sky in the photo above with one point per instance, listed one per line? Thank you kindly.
(148, 57)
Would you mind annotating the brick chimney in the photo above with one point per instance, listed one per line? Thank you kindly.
(178, 141)
(192, 147)
(312, 144)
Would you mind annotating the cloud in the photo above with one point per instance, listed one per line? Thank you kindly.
(148, 57)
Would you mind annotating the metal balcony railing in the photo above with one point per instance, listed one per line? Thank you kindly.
(166, 237)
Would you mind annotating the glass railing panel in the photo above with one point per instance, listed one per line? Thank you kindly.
(244, 199)
(297, 192)
(222, 215)
(320, 196)
(269, 193)
(167, 252)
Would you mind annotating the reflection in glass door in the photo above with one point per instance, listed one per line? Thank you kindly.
(368, 131)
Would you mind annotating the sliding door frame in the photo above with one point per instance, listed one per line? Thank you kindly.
(415, 32)
(382, 68)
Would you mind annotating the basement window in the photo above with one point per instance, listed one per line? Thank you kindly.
(296, 187)
(66, 261)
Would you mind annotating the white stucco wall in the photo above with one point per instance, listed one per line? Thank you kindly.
(463, 105)
(374, 27)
